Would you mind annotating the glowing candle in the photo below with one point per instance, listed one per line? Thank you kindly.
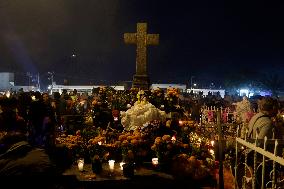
(111, 165)
(100, 143)
(212, 142)
(173, 139)
(81, 164)
(121, 165)
(155, 161)
(8, 94)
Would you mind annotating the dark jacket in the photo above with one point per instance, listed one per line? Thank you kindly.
(21, 159)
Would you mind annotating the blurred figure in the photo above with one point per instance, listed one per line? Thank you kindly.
(17, 157)
(262, 121)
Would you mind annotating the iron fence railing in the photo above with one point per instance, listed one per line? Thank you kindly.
(259, 163)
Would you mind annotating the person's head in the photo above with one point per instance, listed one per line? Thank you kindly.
(245, 98)
(56, 95)
(268, 106)
(64, 91)
(75, 92)
(45, 97)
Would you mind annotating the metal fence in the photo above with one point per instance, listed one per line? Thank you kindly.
(259, 163)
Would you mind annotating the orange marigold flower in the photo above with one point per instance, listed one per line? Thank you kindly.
(125, 143)
(166, 138)
(134, 142)
(129, 138)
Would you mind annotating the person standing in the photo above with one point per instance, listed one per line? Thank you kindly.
(262, 121)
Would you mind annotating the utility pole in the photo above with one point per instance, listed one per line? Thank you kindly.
(51, 74)
(38, 83)
(29, 77)
(191, 81)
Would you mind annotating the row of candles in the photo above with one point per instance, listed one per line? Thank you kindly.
(155, 162)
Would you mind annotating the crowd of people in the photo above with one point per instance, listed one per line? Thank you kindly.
(30, 120)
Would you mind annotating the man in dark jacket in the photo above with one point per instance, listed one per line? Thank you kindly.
(21, 159)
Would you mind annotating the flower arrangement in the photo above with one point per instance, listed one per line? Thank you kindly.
(157, 97)
(187, 166)
(74, 143)
(96, 148)
(186, 128)
(165, 148)
(140, 95)
(141, 114)
(210, 116)
(172, 99)
(133, 145)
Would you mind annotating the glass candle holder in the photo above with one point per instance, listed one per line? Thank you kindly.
(155, 162)
(80, 164)
(111, 165)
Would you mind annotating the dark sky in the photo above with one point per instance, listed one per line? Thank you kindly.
(208, 39)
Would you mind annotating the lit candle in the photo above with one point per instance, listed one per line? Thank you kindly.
(155, 161)
(8, 94)
(212, 142)
(81, 164)
(100, 143)
(211, 152)
(173, 139)
(180, 122)
(121, 165)
(111, 165)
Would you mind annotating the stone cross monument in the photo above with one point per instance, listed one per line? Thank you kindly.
(141, 39)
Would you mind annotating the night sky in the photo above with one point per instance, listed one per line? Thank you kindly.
(206, 39)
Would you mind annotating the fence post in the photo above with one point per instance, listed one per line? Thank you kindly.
(220, 133)
(254, 163)
(274, 164)
(263, 165)
(236, 161)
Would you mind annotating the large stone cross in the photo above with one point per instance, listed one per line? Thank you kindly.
(141, 39)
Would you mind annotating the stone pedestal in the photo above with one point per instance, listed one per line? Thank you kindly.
(141, 81)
